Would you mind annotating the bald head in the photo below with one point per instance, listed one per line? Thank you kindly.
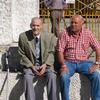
(79, 17)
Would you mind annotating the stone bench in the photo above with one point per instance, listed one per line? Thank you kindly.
(13, 87)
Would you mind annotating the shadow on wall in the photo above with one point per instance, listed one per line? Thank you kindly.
(17, 90)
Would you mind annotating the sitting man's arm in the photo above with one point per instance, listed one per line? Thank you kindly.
(95, 65)
(95, 45)
(63, 67)
(24, 59)
(51, 52)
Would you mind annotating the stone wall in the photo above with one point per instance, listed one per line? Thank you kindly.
(22, 12)
(5, 22)
(15, 17)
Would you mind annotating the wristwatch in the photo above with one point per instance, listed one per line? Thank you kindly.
(98, 63)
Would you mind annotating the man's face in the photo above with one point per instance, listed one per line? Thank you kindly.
(76, 24)
(36, 26)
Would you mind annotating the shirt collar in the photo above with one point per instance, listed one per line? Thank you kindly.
(38, 36)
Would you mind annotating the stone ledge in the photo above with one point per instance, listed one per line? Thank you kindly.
(79, 88)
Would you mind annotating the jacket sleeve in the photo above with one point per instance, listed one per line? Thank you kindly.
(21, 50)
(50, 58)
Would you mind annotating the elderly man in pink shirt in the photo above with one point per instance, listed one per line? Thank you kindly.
(72, 48)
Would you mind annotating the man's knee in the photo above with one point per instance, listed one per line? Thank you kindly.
(64, 77)
(28, 78)
(96, 76)
(52, 75)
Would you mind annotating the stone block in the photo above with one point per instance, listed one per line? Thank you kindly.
(12, 88)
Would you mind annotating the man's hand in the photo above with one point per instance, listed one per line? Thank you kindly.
(93, 68)
(35, 71)
(42, 68)
(63, 69)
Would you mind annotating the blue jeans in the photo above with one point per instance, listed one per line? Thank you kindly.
(80, 67)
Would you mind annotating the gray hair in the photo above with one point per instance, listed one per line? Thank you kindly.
(37, 18)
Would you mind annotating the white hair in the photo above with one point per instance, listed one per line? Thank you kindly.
(80, 17)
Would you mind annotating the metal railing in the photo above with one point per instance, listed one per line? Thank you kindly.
(92, 20)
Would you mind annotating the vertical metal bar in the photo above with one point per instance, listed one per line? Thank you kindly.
(99, 27)
(86, 20)
(48, 20)
(74, 9)
(92, 22)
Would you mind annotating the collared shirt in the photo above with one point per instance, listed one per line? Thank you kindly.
(37, 36)
(75, 48)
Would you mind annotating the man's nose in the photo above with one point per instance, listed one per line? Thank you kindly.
(35, 27)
